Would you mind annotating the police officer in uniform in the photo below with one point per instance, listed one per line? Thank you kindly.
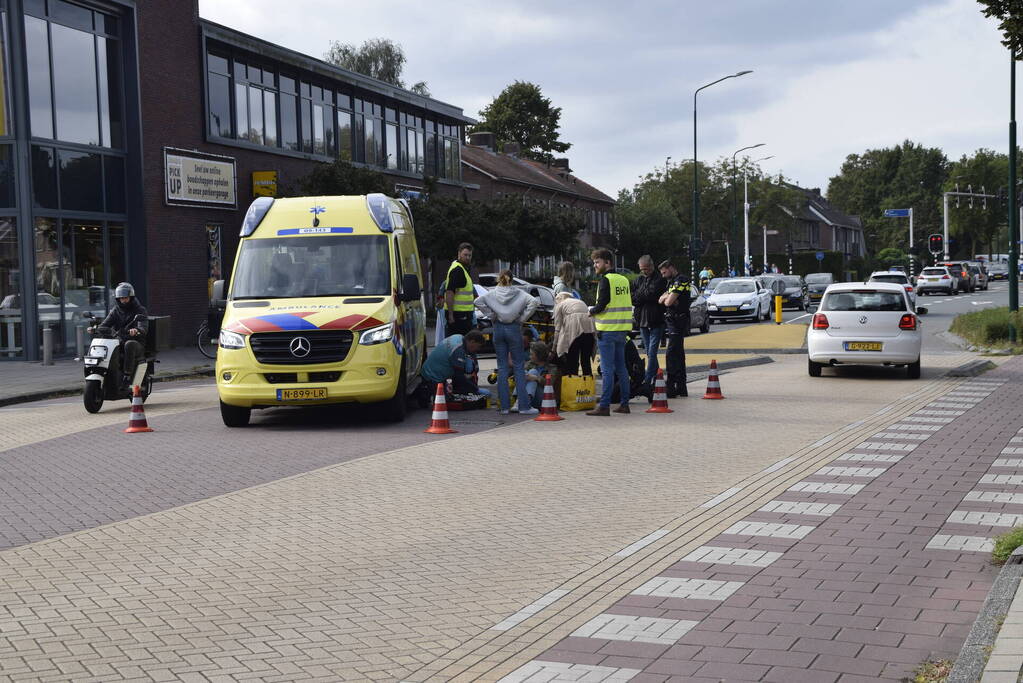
(612, 316)
(676, 300)
(459, 293)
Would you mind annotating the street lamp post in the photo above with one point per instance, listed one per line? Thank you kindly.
(696, 170)
(731, 235)
(747, 263)
(1013, 245)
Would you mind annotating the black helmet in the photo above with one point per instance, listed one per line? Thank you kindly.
(124, 289)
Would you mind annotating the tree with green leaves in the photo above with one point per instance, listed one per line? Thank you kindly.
(379, 58)
(976, 225)
(339, 178)
(522, 114)
(1010, 20)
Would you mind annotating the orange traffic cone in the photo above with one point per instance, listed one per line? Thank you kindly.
(660, 403)
(549, 406)
(439, 423)
(137, 422)
(713, 385)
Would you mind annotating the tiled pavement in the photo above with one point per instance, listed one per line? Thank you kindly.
(871, 565)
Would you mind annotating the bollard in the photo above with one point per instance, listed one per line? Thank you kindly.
(79, 342)
(777, 310)
(47, 346)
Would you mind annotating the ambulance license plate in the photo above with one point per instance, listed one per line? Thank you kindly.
(863, 346)
(307, 394)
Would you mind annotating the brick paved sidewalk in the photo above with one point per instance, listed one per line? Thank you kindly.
(860, 572)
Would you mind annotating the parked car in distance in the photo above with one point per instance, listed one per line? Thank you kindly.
(980, 274)
(870, 323)
(816, 283)
(796, 293)
(937, 279)
(962, 272)
(739, 298)
(897, 278)
(714, 282)
(997, 271)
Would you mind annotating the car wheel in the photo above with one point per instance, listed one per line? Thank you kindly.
(814, 369)
(705, 327)
(234, 416)
(913, 370)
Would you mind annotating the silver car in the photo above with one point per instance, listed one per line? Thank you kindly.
(739, 299)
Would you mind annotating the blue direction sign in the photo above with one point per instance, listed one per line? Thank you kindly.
(896, 213)
(820, 255)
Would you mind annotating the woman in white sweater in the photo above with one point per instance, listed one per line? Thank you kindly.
(508, 307)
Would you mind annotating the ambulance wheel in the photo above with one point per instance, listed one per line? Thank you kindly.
(93, 396)
(234, 416)
(396, 407)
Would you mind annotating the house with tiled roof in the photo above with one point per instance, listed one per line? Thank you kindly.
(492, 175)
(819, 226)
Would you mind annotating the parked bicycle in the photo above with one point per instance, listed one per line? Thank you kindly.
(206, 341)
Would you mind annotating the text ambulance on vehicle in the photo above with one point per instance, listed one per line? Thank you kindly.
(325, 307)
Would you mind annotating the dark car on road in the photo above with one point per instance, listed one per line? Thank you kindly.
(796, 293)
(816, 283)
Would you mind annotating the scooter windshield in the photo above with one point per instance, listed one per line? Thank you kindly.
(310, 266)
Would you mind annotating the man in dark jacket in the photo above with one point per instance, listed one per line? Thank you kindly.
(648, 313)
(676, 300)
(130, 321)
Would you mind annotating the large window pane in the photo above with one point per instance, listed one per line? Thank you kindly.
(74, 85)
(80, 181)
(220, 105)
(328, 129)
(319, 144)
(5, 105)
(431, 154)
(10, 272)
(307, 131)
(407, 156)
(256, 115)
(117, 270)
(72, 15)
(391, 147)
(371, 141)
(48, 261)
(44, 178)
(37, 49)
(110, 80)
(344, 136)
(419, 152)
(6, 176)
(217, 64)
(113, 181)
(241, 109)
(289, 121)
(359, 139)
(270, 116)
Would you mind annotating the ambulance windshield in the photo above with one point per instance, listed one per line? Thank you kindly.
(328, 265)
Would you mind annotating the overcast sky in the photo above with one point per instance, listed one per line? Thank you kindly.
(830, 78)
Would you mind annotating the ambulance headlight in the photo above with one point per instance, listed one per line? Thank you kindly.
(377, 335)
(231, 340)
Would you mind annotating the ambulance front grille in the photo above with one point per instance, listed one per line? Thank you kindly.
(308, 347)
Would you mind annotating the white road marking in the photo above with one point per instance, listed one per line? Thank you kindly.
(539, 670)
(816, 509)
(940, 412)
(770, 529)
(939, 420)
(870, 457)
(805, 315)
(902, 435)
(694, 589)
(529, 610)
(641, 543)
(837, 489)
(984, 518)
(1014, 463)
(885, 446)
(969, 543)
(721, 497)
(1012, 450)
(915, 428)
(635, 629)
(738, 556)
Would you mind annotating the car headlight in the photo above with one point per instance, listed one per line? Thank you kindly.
(231, 340)
(98, 351)
(712, 307)
(746, 304)
(377, 335)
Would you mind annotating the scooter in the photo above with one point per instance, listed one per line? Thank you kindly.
(103, 383)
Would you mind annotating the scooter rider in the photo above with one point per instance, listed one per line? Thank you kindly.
(130, 321)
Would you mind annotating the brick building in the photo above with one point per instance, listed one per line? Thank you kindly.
(133, 136)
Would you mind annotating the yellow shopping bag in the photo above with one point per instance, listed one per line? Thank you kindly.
(578, 392)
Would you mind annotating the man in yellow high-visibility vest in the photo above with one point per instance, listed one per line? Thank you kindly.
(459, 293)
(612, 316)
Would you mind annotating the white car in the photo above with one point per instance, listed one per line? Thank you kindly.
(896, 277)
(739, 298)
(871, 323)
(937, 279)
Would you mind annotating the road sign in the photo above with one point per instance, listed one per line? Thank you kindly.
(896, 213)
(820, 255)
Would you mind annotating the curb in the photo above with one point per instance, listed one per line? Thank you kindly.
(790, 349)
(76, 390)
(974, 654)
(728, 364)
(971, 368)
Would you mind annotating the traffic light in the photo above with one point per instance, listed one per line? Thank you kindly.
(788, 249)
(936, 244)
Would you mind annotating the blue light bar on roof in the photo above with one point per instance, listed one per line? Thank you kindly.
(254, 216)
(380, 208)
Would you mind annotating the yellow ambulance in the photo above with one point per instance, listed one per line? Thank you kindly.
(325, 306)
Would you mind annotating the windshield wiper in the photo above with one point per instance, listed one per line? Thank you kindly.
(246, 298)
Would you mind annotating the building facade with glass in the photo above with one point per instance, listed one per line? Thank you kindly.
(133, 136)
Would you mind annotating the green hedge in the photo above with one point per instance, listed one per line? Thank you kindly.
(989, 327)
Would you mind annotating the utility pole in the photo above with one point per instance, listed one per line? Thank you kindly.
(1013, 231)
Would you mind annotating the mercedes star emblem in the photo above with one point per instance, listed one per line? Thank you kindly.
(300, 347)
(863, 321)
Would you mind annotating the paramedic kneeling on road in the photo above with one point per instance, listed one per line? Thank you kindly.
(455, 359)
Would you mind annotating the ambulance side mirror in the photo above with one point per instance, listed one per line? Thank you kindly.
(217, 298)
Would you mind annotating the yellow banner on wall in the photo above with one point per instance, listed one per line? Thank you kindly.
(264, 183)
